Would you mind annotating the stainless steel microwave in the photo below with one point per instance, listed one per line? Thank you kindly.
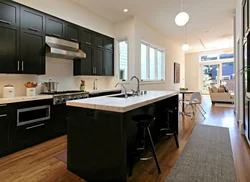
(33, 115)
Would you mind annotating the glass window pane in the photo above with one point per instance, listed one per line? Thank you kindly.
(227, 56)
(123, 58)
(160, 64)
(227, 75)
(143, 62)
(152, 64)
(209, 58)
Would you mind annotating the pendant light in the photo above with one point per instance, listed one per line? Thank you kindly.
(185, 47)
(182, 18)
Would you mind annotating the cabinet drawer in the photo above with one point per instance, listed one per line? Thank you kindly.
(72, 32)
(97, 41)
(32, 20)
(9, 13)
(54, 27)
(86, 37)
(3, 109)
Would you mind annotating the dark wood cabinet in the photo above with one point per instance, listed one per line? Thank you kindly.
(32, 20)
(97, 40)
(72, 32)
(32, 52)
(4, 130)
(55, 27)
(86, 37)
(84, 66)
(9, 49)
(108, 44)
(97, 59)
(108, 63)
(9, 13)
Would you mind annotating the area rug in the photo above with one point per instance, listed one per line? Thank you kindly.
(62, 156)
(207, 157)
(223, 105)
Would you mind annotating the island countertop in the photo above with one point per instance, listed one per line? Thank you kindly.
(121, 105)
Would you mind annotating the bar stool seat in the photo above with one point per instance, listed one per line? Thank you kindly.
(143, 131)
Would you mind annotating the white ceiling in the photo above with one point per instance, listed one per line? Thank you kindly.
(211, 21)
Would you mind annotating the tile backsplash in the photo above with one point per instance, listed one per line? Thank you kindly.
(58, 70)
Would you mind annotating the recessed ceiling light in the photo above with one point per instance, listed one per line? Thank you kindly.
(125, 10)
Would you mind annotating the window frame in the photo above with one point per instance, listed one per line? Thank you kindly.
(156, 48)
(118, 59)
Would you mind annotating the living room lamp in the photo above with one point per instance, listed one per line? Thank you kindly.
(185, 46)
(181, 18)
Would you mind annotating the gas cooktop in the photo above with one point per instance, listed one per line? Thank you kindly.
(63, 92)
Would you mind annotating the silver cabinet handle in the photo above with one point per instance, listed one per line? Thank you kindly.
(88, 43)
(22, 65)
(3, 115)
(93, 70)
(100, 46)
(6, 22)
(73, 39)
(18, 67)
(33, 29)
(3, 105)
(28, 128)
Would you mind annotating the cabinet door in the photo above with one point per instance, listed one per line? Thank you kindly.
(9, 40)
(86, 37)
(32, 52)
(84, 66)
(32, 20)
(72, 32)
(54, 27)
(9, 13)
(108, 44)
(97, 41)
(108, 63)
(4, 133)
(97, 58)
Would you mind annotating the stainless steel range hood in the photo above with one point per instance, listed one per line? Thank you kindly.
(63, 49)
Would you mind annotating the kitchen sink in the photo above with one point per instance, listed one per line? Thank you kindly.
(122, 95)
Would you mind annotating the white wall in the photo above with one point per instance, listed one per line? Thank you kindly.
(62, 70)
(136, 30)
(192, 66)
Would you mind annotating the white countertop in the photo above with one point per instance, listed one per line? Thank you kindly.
(24, 99)
(122, 105)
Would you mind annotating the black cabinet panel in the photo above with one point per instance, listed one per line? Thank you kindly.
(72, 32)
(97, 58)
(108, 63)
(32, 20)
(4, 133)
(9, 13)
(109, 44)
(32, 56)
(97, 41)
(84, 66)
(54, 27)
(9, 40)
(86, 37)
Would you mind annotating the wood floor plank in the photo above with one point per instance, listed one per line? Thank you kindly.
(38, 164)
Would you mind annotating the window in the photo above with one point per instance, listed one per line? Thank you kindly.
(152, 63)
(123, 59)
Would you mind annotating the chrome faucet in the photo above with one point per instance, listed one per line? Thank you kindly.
(95, 85)
(137, 92)
(126, 94)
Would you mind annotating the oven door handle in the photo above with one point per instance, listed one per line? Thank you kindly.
(31, 127)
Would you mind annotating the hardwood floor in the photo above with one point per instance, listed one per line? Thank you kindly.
(38, 163)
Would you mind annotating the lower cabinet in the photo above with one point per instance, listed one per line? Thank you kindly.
(4, 133)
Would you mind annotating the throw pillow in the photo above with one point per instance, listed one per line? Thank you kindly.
(221, 89)
(215, 89)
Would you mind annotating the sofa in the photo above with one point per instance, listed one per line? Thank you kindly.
(217, 94)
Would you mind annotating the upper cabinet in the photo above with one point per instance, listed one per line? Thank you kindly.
(9, 13)
(85, 37)
(97, 40)
(9, 38)
(32, 20)
(55, 27)
(72, 32)
(108, 44)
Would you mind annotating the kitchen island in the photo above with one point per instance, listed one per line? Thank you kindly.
(101, 134)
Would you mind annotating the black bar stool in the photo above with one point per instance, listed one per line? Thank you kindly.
(168, 128)
(143, 124)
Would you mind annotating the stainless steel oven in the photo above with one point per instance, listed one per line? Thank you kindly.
(33, 115)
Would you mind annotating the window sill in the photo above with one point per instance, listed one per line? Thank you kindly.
(147, 82)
